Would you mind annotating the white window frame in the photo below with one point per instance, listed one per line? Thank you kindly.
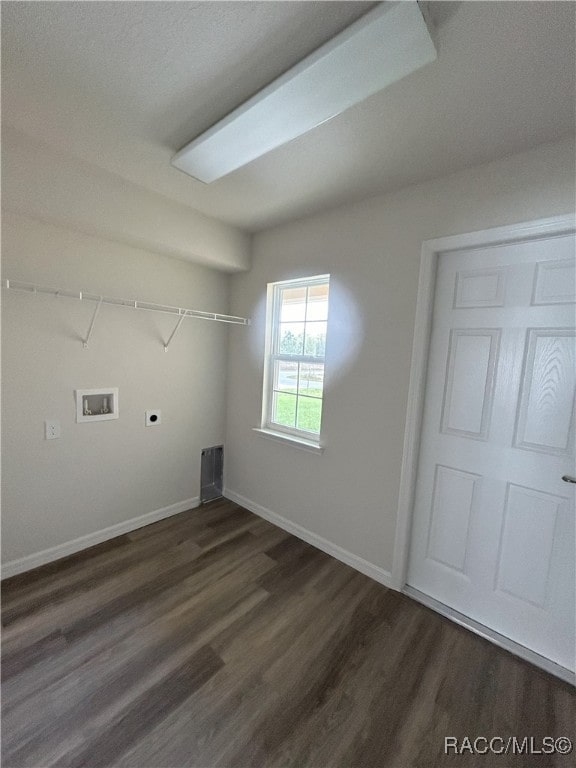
(273, 356)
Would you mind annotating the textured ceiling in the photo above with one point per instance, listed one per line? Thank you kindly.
(123, 85)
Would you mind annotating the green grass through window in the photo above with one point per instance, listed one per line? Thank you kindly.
(309, 410)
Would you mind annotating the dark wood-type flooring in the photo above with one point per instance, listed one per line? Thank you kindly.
(213, 638)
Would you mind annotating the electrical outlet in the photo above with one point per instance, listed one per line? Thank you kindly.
(52, 429)
(153, 418)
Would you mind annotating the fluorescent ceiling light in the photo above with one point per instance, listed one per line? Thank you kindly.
(380, 48)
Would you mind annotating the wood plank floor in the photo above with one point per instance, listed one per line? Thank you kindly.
(213, 638)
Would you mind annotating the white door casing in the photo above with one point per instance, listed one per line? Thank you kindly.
(493, 523)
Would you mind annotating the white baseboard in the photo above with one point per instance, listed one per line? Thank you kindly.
(14, 567)
(364, 566)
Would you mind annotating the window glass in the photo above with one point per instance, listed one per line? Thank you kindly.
(293, 402)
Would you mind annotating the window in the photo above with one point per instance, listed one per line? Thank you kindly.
(296, 343)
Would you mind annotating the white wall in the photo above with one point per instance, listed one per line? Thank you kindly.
(105, 473)
(349, 494)
(42, 182)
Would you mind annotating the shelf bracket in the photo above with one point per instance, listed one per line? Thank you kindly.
(183, 314)
(94, 316)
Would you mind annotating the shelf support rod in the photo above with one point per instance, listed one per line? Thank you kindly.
(174, 332)
(87, 339)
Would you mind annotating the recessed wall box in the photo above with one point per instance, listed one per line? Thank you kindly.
(96, 404)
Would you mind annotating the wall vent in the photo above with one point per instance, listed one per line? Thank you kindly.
(211, 473)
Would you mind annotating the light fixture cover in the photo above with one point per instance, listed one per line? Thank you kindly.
(380, 48)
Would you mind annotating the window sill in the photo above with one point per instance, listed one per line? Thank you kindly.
(295, 442)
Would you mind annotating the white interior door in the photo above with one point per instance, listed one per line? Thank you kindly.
(494, 524)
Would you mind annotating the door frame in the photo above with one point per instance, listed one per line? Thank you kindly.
(431, 250)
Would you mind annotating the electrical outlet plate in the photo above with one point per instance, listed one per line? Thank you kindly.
(52, 429)
(153, 418)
